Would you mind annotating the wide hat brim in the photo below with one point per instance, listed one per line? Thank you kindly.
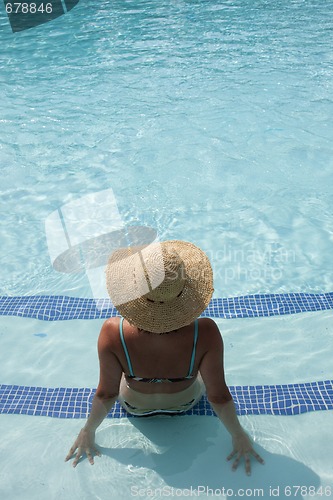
(129, 292)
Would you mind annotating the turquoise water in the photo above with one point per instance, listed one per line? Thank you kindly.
(211, 122)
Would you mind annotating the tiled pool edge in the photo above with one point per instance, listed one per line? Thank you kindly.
(288, 399)
(55, 307)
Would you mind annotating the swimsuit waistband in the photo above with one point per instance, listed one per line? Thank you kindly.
(139, 403)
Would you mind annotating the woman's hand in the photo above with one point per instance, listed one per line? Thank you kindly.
(243, 448)
(84, 443)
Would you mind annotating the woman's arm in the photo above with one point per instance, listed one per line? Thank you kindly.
(212, 372)
(85, 442)
(105, 396)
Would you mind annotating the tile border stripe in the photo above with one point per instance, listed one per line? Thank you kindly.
(60, 308)
(285, 399)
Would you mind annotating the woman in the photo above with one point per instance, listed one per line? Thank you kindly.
(159, 358)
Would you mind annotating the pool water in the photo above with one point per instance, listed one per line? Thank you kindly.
(210, 122)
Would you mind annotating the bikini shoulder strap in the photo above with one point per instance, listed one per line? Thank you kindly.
(125, 347)
(196, 331)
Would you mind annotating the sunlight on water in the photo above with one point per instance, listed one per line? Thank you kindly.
(211, 123)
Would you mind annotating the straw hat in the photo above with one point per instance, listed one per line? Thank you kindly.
(160, 287)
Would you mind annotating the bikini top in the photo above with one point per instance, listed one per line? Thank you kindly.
(159, 380)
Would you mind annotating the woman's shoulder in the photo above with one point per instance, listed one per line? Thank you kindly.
(111, 325)
(208, 324)
(209, 333)
(109, 334)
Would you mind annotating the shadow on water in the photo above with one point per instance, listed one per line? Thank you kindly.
(189, 452)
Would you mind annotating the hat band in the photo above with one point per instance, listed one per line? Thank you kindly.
(162, 301)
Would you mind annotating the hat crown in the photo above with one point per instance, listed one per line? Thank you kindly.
(174, 279)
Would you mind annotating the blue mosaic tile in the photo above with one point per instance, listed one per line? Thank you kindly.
(75, 402)
(289, 399)
(54, 307)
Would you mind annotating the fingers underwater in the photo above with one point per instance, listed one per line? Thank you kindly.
(232, 454)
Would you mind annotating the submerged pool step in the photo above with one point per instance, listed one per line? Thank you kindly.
(287, 399)
(55, 307)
